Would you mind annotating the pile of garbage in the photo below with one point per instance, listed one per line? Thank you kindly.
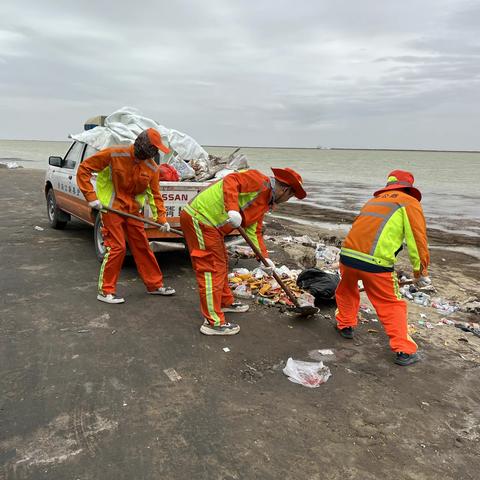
(189, 159)
(309, 252)
(248, 284)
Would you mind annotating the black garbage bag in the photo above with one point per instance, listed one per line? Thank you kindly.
(320, 284)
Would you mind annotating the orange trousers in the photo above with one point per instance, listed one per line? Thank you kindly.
(382, 291)
(210, 263)
(115, 229)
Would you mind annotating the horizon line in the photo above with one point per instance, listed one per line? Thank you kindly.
(380, 149)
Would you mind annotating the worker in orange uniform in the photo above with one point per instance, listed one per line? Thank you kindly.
(239, 199)
(127, 180)
(392, 216)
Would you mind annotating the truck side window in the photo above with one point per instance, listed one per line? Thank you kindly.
(73, 155)
(89, 151)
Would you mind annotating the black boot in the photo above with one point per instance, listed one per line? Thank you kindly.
(346, 332)
(405, 359)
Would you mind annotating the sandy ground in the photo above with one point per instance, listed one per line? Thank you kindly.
(85, 394)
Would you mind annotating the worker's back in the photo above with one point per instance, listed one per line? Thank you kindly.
(382, 225)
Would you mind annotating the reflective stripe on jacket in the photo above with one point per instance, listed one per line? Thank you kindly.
(248, 192)
(378, 232)
(123, 182)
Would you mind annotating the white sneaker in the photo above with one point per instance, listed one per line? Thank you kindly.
(226, 329)
(166, 291)
(110, 298)
(236, 307)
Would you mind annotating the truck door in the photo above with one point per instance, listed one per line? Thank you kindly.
(67, 192)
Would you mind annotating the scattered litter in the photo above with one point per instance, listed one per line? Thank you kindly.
(421, 298)
(172, 374)
(444, 305)
(113, 332)
(226, 349)
(428, 325)
(75, 356)
(40, 229)
(372, 330)
(327, 253)
(446, 321)
(308, 374)
(469, 327)
(266, 301)
(83, 331)
(365, 308)
(242, 291)
(422, 315)
(426, 404)
(325, 351)
(326, 354)
(471, 307)
(240, 271)
(124, 404)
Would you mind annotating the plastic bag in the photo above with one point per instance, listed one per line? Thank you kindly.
(168, 173)
(320, 284)
(308, 374)
(185, 171)
(242, 291)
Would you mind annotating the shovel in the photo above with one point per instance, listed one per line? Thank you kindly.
(140, 219)
(305, 310)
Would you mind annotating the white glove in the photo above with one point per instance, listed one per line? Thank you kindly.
(96, 204)
(268, 270)
(165, 227)
(423, 282)
(234, 218)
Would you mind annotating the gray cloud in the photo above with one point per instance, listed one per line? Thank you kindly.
(251, 73)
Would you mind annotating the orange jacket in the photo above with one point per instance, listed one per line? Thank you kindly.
(378, 233)
(248, 192)
(123, 182)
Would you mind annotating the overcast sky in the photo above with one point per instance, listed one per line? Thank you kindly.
(344, 73)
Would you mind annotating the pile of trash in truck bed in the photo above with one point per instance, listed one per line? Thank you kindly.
(187, 161)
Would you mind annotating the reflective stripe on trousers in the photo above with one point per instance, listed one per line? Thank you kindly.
(210, 263)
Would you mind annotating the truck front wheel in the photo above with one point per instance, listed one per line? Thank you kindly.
(56, 217)
(100, 249)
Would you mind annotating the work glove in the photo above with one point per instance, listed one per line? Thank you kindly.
(423, 282)
(165, 227)
(234, 218)
(96, 204)
(268, 270)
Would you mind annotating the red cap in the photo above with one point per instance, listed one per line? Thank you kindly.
(399, 179)
(156, 140)
(292, 178)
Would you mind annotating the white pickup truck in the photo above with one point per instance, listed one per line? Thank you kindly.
(64, 199)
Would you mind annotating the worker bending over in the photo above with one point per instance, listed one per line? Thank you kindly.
(369, 253)
(128, 180)
(239, 199)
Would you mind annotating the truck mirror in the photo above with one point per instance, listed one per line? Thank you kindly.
(55, 161)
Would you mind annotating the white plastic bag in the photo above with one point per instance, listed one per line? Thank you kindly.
(185, 171)
(308, 374)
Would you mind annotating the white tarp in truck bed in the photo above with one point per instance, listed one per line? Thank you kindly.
(123, 127)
